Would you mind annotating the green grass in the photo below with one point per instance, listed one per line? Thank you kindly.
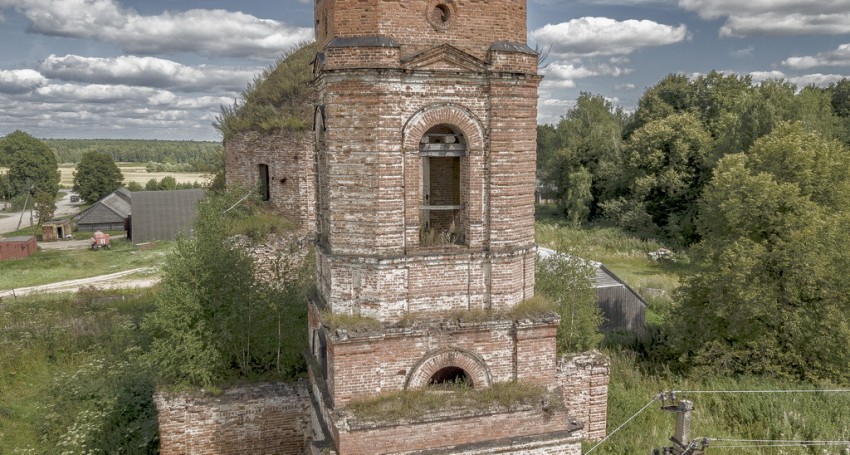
(46, 267)
(811, 416)
(416, 404)
(50, 350)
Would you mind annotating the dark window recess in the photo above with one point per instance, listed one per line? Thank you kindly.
(264, 182)
(451, 376)
(441, 150)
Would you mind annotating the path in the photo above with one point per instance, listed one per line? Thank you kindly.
(110, 281)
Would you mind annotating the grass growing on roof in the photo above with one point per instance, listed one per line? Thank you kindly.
(417, 404)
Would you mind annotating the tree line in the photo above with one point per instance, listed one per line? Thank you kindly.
(195, 153)
(753, 180)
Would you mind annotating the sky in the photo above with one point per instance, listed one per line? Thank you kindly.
(161, 69)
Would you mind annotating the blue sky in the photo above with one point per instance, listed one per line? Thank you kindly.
(160, 69)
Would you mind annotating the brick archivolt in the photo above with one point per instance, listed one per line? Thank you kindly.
(443, 114)
(475, 368)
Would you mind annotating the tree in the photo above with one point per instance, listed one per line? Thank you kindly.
(566, 280)
(45, 206)
(213, 320)
(135, 186)
(585, 168)
(96, 176)
(32, 164)
(767, 299)
(167, 183)
(152, 185)
(667, 162)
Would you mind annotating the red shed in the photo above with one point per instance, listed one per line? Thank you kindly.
(17, 247)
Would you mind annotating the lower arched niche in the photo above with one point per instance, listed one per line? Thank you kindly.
(447, 365)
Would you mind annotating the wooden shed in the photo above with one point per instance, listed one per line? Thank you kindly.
(624, 309)
(112, 213)
(54, 230)
(17, 247)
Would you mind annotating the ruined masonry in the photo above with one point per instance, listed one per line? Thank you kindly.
(422, 185)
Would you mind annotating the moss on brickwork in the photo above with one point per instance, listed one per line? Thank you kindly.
(413, 405)
(351, 323)
(279, 99)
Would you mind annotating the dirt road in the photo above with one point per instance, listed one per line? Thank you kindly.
(64, 206)
(111, 281)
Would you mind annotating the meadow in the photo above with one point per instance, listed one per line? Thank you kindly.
(135, 172)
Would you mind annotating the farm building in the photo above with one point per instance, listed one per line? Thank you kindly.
(624, 309)
(17, 247)
(161, 215)
(54, 230)
(112, 213)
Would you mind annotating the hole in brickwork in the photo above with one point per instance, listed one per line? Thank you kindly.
(450, 377)
(441, 14)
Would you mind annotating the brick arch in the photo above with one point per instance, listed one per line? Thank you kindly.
(443, 114)
(436, 360)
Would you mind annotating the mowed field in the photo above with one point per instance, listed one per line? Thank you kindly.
(134, 172)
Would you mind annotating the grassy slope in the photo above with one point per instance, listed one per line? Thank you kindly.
(51, 266)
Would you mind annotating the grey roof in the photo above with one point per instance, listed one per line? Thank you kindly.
(509, 46)
(113, 208)
(17, 238)
(161, 215)
(363, 41)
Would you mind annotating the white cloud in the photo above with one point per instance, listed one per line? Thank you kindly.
(625, 87)
(774, 17)
(818, 79)
(743, 53)
(838, 57)
(563, 75)
(592, 36)
(20, 81)
(147, 72)
(218, 32)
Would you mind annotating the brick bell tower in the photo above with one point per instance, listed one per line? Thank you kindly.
(425, 131)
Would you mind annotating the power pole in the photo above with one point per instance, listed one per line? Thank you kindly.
(681, 439)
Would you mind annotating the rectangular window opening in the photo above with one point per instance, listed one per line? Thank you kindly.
(264, 182)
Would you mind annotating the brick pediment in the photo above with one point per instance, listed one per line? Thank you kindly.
(444, 58)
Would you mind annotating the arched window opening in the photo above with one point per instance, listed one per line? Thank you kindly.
(451, 377)
(442, 149)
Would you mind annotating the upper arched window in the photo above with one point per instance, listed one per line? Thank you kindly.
(442, 148)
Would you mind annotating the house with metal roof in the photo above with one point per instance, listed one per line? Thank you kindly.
(112, 213)
(162, 215)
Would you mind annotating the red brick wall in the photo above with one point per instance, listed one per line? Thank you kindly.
(262, 418)
(474, 24)
(584, 381)
(290, 158)
(448, 432)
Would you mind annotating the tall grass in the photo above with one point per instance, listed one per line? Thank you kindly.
(775, 416)
(72, 378)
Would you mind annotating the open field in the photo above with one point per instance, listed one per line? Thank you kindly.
(133, 172)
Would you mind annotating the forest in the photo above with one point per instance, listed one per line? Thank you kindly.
(194, 153)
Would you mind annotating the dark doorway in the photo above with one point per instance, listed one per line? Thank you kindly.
(451, 376)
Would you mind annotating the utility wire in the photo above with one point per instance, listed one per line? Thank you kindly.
(621, 426)
(765, 391)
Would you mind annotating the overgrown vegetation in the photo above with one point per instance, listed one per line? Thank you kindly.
(72, 375)
(415, 404)
(214, 321)
(277, 100)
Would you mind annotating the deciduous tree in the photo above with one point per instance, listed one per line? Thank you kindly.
(32, 164)
(96, 176)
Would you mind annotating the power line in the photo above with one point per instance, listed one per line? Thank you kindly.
(764, 391)
(621, 426)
